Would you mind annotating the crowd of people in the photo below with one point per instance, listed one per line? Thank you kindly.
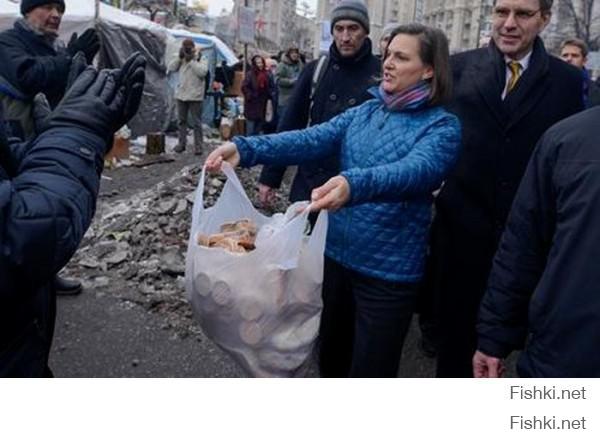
(460, 187)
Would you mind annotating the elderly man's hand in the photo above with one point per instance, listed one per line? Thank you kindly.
(487, 366)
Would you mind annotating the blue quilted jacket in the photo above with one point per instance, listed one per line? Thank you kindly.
(393, 162)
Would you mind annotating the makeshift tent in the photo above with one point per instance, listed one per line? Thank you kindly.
(121, 34)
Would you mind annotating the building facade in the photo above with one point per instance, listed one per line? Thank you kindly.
(467, 23)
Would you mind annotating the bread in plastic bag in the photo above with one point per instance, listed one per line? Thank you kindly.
(262, 307)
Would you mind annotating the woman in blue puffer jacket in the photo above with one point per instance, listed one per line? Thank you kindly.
(394, 151)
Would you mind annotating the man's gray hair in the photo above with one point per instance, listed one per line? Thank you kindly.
(545, 5)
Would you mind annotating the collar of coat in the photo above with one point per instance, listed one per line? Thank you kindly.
(538, 64)
(363, 53)
(23, 26)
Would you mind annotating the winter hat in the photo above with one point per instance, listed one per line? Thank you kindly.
(354, 10)
(28, 5)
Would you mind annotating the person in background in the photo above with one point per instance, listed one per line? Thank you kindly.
(37, 62)
(575, 52)
(394, 150)
(33, 75)
(288, 71)
(48, 191)
(321, 93)
(384, 39)
(190, 93)
(506, 96)
(257, 88)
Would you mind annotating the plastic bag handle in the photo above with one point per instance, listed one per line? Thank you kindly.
(198, 206)
(227, 169)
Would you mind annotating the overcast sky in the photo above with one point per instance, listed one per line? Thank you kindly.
(215, 6)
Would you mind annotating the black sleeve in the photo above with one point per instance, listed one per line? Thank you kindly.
(521, 257)
(31, 73)
(48, 205)
(294, 117)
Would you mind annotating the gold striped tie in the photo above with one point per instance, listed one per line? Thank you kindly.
(515, 70)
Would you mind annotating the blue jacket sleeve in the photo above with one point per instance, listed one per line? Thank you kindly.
(520, 259)
(294, 117)
(421, 171)
(47, 207)
(295, 147)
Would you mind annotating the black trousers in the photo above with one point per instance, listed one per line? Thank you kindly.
(364, 323)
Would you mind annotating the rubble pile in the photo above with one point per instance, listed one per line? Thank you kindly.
(135, 248)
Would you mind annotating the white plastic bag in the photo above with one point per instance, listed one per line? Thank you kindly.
(262, 307)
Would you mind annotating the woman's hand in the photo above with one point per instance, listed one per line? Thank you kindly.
(228, 152)
(332, 195)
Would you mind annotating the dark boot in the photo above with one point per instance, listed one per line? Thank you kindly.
(67, 287)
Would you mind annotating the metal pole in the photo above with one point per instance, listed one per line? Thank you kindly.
(97, 10)
(245, 46)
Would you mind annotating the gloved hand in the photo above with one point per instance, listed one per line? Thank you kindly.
(181, 53)
(41, 107)
(78, 65)
(131, 76)
(94, 103)
(88, 43)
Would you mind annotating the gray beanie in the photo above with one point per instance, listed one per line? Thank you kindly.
(354, 10)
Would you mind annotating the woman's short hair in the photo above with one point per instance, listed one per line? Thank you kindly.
(433, 51)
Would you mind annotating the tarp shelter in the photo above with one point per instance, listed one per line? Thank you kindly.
(121, 34)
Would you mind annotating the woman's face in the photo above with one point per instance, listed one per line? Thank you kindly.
(259, 63)
(403, 67)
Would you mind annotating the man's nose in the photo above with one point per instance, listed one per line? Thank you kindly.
(510, 21)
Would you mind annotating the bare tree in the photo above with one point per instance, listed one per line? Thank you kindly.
(583, 19)
(152, 6)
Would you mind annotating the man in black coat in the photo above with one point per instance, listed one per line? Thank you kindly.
(350, 70)
(37, 62)
(543, 288)
(506, 96)
(48, 190)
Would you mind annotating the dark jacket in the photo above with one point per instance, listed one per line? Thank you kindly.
(255, 98)
(35, 65)
(498, 139)
(543, 287)
(343, 85)
(44, 213)
(591, 92)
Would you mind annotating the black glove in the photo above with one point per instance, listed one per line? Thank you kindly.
(78, 65)
(131, 77)
(94, 103)
(41, 107)
(181, 53)
(88, 43)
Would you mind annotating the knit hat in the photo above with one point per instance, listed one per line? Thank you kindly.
(28, 5)
(354, 10)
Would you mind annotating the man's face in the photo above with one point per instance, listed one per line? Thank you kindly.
(349, 37)
(573, 55)
(294, 56)
(515, 24)
(46, 18)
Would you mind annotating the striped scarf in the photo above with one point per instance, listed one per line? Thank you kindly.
(411, 98)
